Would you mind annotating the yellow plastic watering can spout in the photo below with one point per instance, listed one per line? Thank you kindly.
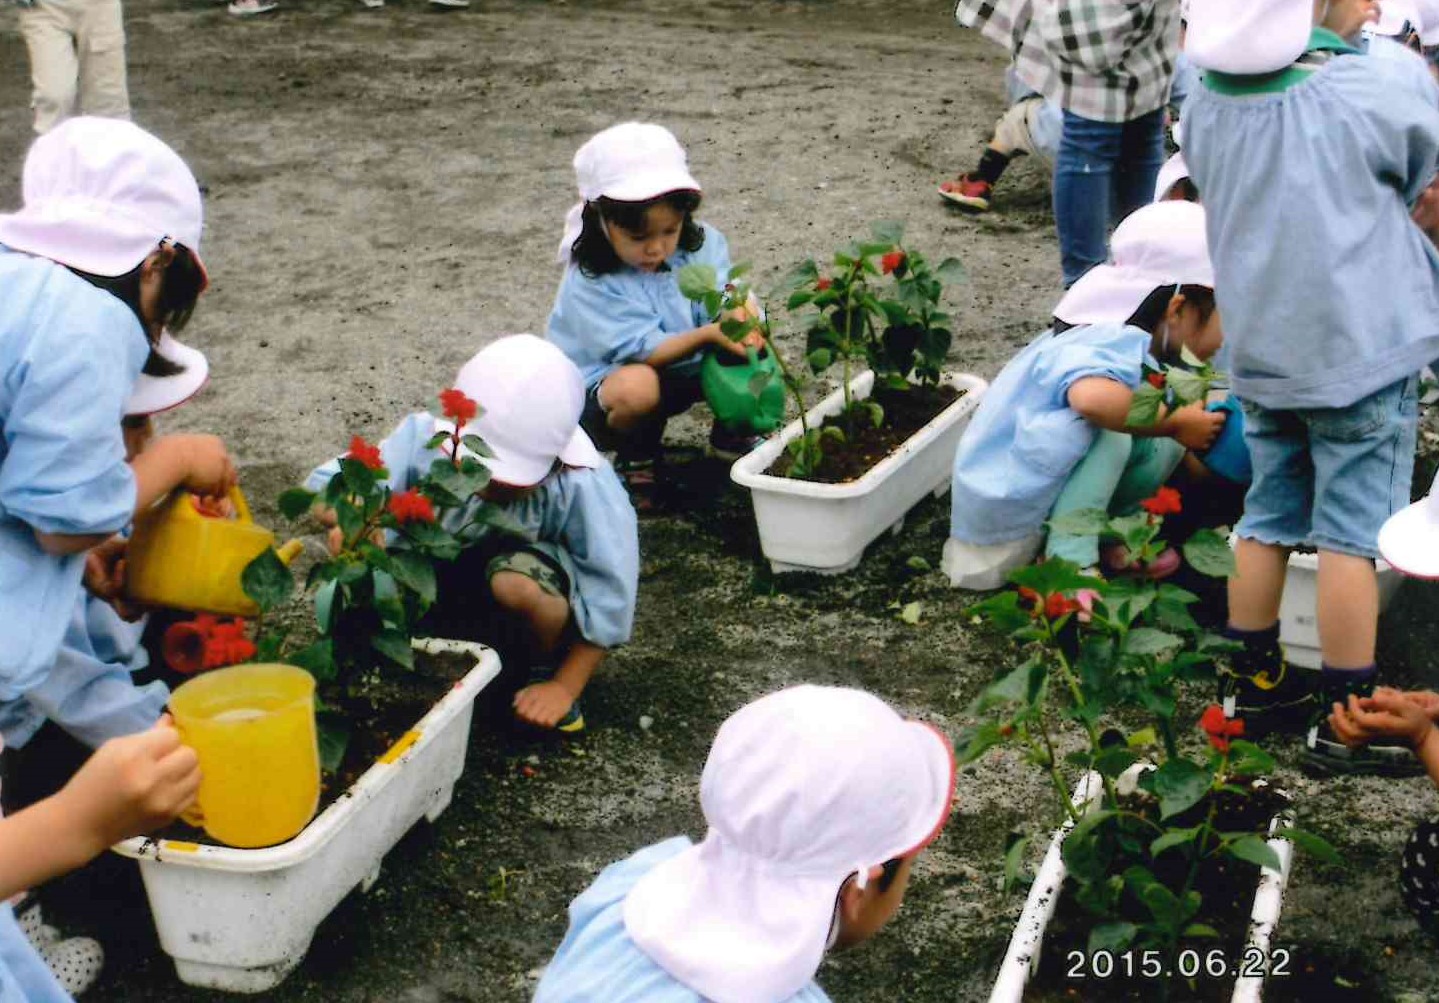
(289, 551)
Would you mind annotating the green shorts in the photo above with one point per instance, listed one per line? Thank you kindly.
(534, 565)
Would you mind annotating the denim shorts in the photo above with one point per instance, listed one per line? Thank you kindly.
(1330, 477)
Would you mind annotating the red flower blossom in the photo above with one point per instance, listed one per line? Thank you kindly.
(1165, 502)
(411, 507)
(1219, 728)
(365, 453)
(1030, 599)
(206, 643)
(823, 284)
(1155, 380)
(457, 407)
(891, 261)
(1057, 606)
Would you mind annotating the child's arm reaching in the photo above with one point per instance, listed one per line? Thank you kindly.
(1390, 714)
(678, 347)
(1105, 403)
(129, 786)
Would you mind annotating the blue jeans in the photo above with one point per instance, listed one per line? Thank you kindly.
(1105, 171)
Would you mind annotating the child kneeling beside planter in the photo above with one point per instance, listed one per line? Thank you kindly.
(818, 801)
(1062, 428)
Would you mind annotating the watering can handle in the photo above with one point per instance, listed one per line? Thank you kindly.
(242, 507)
(753, 354)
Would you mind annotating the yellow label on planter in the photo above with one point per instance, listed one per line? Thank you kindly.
(178, 847)
(400, 748)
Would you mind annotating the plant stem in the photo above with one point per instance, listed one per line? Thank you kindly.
(1166, 732)
(1078, 694)
(1060, 787)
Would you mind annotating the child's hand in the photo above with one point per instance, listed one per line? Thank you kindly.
(1195, 427)
(543, 704)
(1386, 714)
(132, 785)
(721, 340)
(215, 506)
(1427, 700)
(105, 575)
(208, 468)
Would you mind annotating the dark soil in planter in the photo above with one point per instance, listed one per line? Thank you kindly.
(905, 413)
(1067, 971)
(379, 714)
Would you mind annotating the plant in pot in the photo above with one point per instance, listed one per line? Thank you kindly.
(1161, 849)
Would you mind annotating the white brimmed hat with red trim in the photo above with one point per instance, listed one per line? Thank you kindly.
(803, 790)
(1410, 539)
(531, 397)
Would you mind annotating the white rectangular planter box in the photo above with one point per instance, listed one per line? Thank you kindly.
(241, 920)
(805, 526)
(1021, 961)
(1298, 618)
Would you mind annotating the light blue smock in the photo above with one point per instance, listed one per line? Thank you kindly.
(1327, 290)
(89, 691)
(69, 355)
(580, 518)
(621, 318)
(1186, 82)
(1025, 439)
(23, 975)
(597, 959)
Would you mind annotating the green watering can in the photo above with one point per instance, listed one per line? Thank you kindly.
(745, 394)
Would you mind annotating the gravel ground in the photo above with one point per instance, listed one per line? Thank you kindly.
(385, 192)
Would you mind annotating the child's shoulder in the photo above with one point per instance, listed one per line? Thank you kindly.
(1383, 78)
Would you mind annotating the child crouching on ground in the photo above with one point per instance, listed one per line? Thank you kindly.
(619, 314)
(1052, 434)
(571, 584)
(1309, 157)
(818, 800)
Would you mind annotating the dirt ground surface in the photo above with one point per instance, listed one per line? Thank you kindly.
(385, 195)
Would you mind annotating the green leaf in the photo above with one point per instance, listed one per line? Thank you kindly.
(1084, 851)
(415, 572)
(1051, 576)
(1248, 760)
(296, 502)
(802, 274)
(1115, 760)
(437, 440)
(1254, 849)
(888, 231)
(1179, 784)
(1000, 611)
(876, 413)
(1014, 864)
(477, 446)
(919, 564)
(1200, 930)
(911, 613)
(1187, 387)
(333, 733)
(1144, 408)
(1082, 522)
(267, 580)
(325, 606)
(1208, 553)
(1167, 908)
(799, 298)
(360, 478)
(1149, 641)
(387, 602)
(1311, 844)
(951, 270)
(976, 742)
(1187, 356)
(1142, 739)
(1173, 838)
(820, 359)
(1112, 937)
(394, 645)
(317, 659)
(739, 270)
(1020, 685)
(697, 281)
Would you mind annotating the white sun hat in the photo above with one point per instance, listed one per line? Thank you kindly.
(1429, 22)
(1248, 36)
(1409, 540)
(803, 789)
(154, 394)
(629, 162)
(1162, 244)
(1174, 171)
(100, 194)
(530, 397)
(1394, 15)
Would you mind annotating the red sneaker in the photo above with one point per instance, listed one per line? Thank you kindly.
(968, 191)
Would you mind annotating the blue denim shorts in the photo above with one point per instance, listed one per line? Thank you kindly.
(1330, 477)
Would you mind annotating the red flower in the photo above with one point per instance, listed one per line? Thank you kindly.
(1219, 728)
(1156, 380)
(1057, 606)
(891, 261)
(1165, 502)
(206, 643)
(457, 407)
(823, 284)
(1030, 599)
(1086, 598)
(365, 453)
(411, 507)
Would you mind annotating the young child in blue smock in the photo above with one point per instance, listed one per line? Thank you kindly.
(619, 314)
(818, 801)
(100, 259)
(571, 584)
(1310, 157)
(1051, 435)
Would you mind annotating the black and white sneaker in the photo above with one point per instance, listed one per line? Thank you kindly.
(1326, 756)
(1283, 699)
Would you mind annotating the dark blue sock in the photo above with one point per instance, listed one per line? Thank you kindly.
(1338, 684)
(1261, 651)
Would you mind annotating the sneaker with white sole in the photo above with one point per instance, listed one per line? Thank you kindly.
(450, 4)
(1327, 756)
(249, 8)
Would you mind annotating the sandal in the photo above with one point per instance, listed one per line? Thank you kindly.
(640, 480)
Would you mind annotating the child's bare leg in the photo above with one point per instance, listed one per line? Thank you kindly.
(546, 614)
(1257, 585)
(630, 395)
(1348, 610)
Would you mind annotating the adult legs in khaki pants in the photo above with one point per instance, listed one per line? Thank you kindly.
(77, 59)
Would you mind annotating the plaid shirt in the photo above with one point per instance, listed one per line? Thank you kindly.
(1106, 60)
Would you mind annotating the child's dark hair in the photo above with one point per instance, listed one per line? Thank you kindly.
(181, 290)
(592, 250)
(1151, 311)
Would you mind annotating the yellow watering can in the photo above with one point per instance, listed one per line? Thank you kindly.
(181, 559)
(253, 727)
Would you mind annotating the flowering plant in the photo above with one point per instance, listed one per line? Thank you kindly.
(1091, 648)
